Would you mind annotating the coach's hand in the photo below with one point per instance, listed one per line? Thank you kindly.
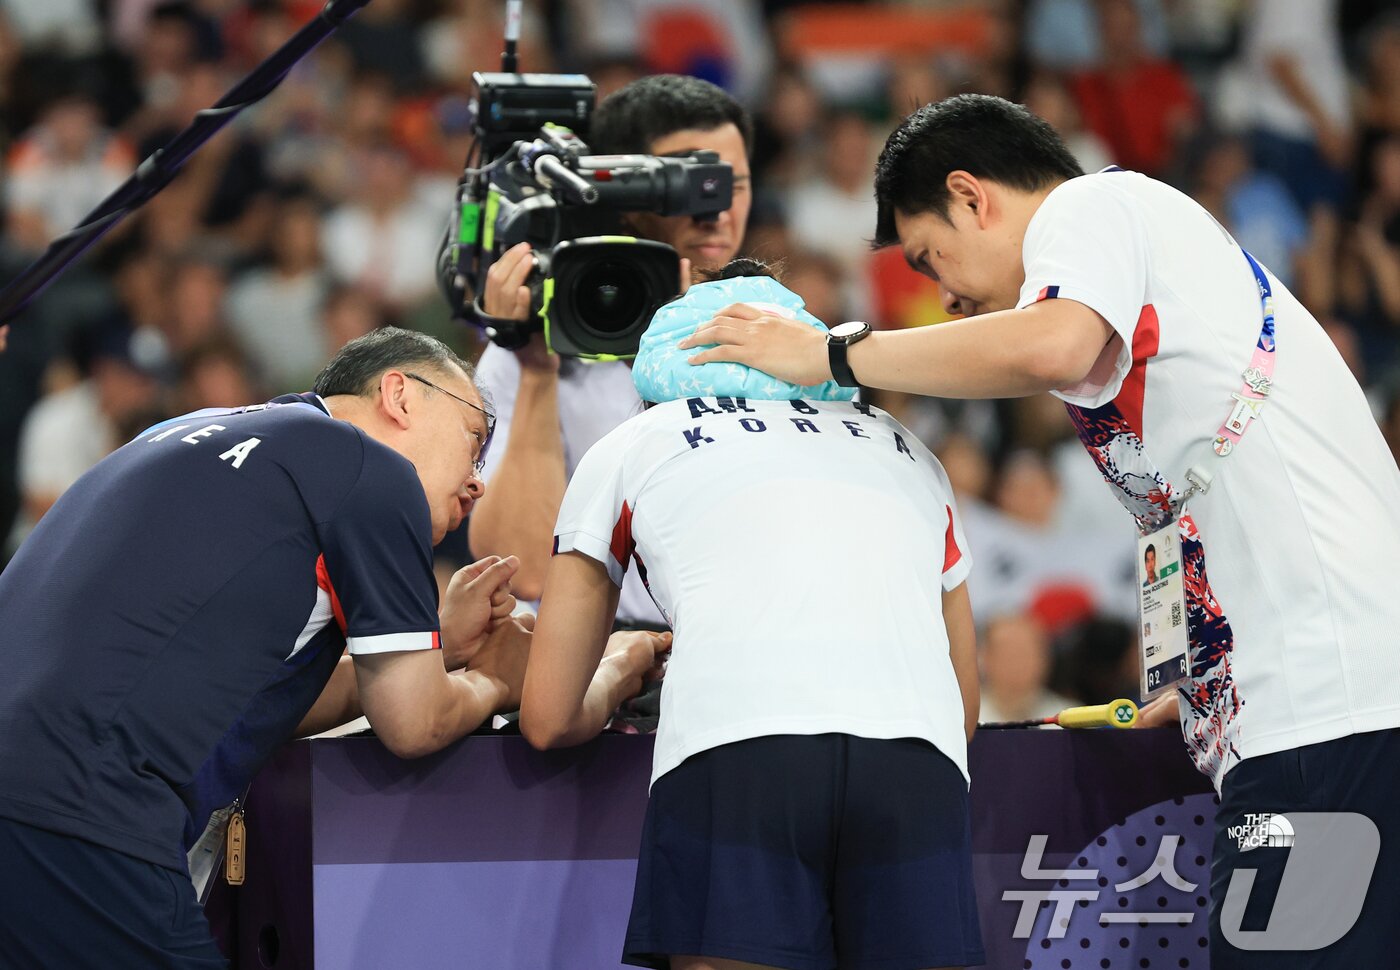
(478, 599)
(503, 657)
(638, 656)
(787, 349)
(1161, 712)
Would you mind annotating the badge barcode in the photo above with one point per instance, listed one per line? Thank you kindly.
(1176, 614)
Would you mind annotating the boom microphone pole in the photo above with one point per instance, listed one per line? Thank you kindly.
(164, 164)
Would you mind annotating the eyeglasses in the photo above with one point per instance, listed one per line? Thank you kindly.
(479, 465)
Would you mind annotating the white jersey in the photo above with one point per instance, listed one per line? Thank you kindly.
(800, 551)
(1294, 629)
(593, 399)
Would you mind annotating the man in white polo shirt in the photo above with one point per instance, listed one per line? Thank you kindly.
(1220, 414)
(809, 793)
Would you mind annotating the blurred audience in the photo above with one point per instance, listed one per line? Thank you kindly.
(78, 422)
(1254, 206)
(1048, 96)
(60, 170)
(1296, 97)
(275, 307)
(385, 237)
(1016, 662)
(315, 218)
(1068, 34)
(833, 211)
(1141, 106)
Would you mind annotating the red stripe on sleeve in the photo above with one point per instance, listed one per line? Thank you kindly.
(952, 555)
(1146, 341)
(622, 544)
(323, 580)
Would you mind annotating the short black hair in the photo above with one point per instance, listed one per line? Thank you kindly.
(356, 368)
(1150, 548)
(988, 137)
(633, 117)
(736, 269)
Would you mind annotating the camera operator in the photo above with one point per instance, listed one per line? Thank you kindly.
(550, 411)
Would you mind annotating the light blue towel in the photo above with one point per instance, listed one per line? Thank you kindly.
(662, 373)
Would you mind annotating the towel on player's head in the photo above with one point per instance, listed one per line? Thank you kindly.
(662, 371)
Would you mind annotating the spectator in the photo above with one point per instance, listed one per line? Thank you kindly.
(165, 42)
(1066, 34)
(1140, 105)
(1256, 207)
(787, 132)
(819, 280)
(275, 309)
(216, 374)
(1015, 660)
(1002, 66)
(1048, 97)
(828, 213)
(614, 73)
(1027, 553)
(194, 311)
(466, 37)
(72, 429)
(1368, 274)
(220, 190)
(1099, 661)
(913, 81)
(1378, 101)
(384, 239)
(1379, 98)
(348, 313)
(383, 38)
(1296, 98)
(60, 170)
(300, 127)
(969, 470)
(66, 26)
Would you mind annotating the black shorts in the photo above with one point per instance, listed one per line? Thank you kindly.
(808, 852)
(71, 904)
(1357, 774)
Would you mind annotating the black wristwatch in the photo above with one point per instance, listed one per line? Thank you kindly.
(838, 339)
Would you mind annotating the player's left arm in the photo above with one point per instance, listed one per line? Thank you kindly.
(578, 674)
(962, 646)
(338, 704)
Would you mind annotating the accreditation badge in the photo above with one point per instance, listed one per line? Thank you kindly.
(1163, 634)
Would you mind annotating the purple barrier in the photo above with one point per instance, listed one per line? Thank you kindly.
(1092, 851)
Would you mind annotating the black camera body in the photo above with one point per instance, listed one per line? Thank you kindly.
(594, 287)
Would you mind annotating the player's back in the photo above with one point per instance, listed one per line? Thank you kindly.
(800, 550)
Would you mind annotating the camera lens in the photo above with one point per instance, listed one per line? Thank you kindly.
(609, 296)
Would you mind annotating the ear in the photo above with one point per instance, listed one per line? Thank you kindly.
(393, 402)
(969, 194)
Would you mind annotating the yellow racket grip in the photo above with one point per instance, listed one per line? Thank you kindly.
(1120, 713)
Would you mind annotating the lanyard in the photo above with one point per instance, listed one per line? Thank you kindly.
(1258, 380)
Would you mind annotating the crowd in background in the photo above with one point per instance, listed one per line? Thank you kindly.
(315, 217)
